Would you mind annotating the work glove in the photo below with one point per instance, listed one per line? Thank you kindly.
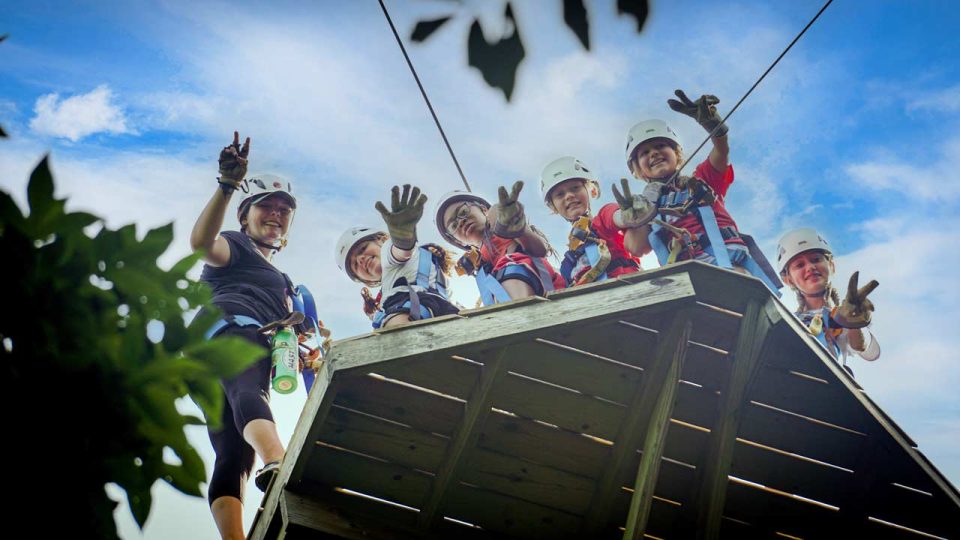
(699, 188)
(703, 110)
(233, 162)
(404, 214)
(510, 219)
(855, 311)
(637, 210)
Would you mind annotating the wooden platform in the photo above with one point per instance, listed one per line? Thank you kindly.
(682, 402)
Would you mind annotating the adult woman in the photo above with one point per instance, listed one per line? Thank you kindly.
(251, 292)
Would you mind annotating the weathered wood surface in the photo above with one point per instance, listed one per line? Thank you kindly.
(568, 417)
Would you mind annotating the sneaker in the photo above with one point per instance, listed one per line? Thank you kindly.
(265, 475)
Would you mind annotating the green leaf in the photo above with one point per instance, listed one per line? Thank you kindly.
(424, 29)
(156, 241)
(226, 356)
(185, 264)
(183, 481)
(497, 61)
(40, 188)
(10, 215)
(140, 502)
(575, 15)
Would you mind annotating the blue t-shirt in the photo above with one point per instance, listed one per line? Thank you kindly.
(248, 284)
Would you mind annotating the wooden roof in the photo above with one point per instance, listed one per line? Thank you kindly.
(677, 403)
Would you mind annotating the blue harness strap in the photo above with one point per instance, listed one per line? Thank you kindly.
(491, 291)
(303, 302)
(588, 253)
(709, 221)
(421, 313)
(236, 320)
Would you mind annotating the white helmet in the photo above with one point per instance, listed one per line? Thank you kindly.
(559, 171)
(643, 132)
(455, 197)
(260, 187)
(351, 237)
(796, 242)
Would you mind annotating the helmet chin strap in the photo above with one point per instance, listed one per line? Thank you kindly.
(822, 294)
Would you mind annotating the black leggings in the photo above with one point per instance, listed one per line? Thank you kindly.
(246, 398)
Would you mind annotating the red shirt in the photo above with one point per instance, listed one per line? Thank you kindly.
(720, 182)
(605, 228)
(501, 259)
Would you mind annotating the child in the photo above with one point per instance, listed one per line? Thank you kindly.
(414, 286)
(504, 253)
(602, 246)
(806, 265)
(697, 222)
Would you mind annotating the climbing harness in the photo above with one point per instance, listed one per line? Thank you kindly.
(428, 265)
(587, 258)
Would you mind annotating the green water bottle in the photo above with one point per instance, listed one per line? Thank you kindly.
(285, 359)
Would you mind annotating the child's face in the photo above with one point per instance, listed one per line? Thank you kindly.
(364, 261)
(465, 221)
(656, 158)
(810, 272)
(571, 199)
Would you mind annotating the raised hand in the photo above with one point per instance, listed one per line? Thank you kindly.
(404, 214)
(233, 161)
(510, 219)
(637, 210)
(703, 110)
(855, 311)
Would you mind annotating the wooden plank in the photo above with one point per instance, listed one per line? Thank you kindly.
(564, 408)
(342, 514)
(878, 529)
(673, 485)
(801, 436)
(514, 517)
(661, 393)
(710, 368)
(711, 326)
(452, 375)
(511, 325)
(477, 410)
(423, 410)
(775, 513)
(528, 481)
(573, 368)
(723, 288)
(633, 345)
(809, 396)
(340, 469)
(790, 474)
(292, 468)
(384, 439)
(928, 512)
(656, 394)
(752, 343)
(547, 445)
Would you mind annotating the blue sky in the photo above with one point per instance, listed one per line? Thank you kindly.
(855, 133)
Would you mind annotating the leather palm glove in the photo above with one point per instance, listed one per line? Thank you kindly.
(510, 219)
(404, 214)
(233, 162)
(637, 210)
(855, 310)
(703, 110)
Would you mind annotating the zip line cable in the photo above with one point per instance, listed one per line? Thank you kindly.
(735, 107)
(424, 93)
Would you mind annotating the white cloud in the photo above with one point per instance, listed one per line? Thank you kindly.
(78, 116)
(946, 100)
(924, 179)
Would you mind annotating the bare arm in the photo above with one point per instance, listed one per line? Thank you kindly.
(533, 242)
(637, 241)
(720, 155)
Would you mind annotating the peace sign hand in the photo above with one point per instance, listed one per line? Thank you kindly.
(510, 219)
(233, 161)
(637, 210)
(703, 110)
(404, 214)
(856, 310)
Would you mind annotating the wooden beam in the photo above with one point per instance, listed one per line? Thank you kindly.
(291, 469)
(752, 342)
(639, 420)
(666, 376)
(491, 330)
(474, 417)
